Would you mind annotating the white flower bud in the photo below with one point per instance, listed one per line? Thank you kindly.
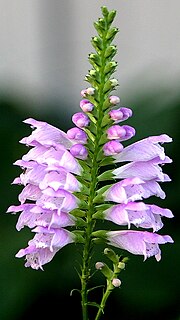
(99, 265)
(116, 282)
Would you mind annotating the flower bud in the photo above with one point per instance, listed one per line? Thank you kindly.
(114, 82)
(116, 132)
(86, 105)
(77, 134)
(79, 151)
(80, 119)
(99, 265)
(120, 114)
(89, 91)
(114, 100)
(121, 265)
(112, 147)
(121, 133)
(116, 282)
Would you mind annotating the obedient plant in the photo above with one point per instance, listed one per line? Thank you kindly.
(73, 180)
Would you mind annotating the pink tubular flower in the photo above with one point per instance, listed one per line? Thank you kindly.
(133, 189)
(137, 213)
(45, 244)
(47, 197)
(46, 135)
(120, 133)
(145, 170)
(144, 150)
(138, 242)
(80, 119)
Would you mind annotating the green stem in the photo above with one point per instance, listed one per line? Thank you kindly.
(104, 299)
(90, 224)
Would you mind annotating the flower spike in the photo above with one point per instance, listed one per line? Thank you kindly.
(71, 181)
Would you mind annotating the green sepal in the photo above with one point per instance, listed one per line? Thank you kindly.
(102, 234)
(102, 24)
(109, 86)
(95, 59)
(78, 213)
(110, 254)
(87, 176)
(106, 120)
(94, 121)
(90, 147)
(97, 43)
(92, 81)
(100, 198)
(110, 52)
(80, 222)
(106, 105)
(103, 207)
(106, 271)
(84, 165)
(107, 175)
(111, 16)
(82, 205)
(90, 134)
(105, 11)
(108, 160)
(79, 236)
(98, 215)
(103, 139)
(100, 155)
(111, 33)
(80, 195)
(99, 28)
(95, 75)
(110, 67)
(85, 190)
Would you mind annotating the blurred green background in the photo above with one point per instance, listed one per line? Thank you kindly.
(149, 290)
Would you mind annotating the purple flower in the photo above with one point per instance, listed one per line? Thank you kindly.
(120, 133)
(46, 135)
(114, 100)
(138, 242)
(112, 147)
(79, 151)
(144, 150)
(120, 114)
(145, 170)
(45, 244)
(137, 213)
(77, 135)
(80, 119)
(86, 105)
(133, 189)
(47, 197)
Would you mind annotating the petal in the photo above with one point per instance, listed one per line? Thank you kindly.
(138, 242)
(144, 150)
(46, 134)
(143, 170)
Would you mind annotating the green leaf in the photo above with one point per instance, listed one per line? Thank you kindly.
(107, 175)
